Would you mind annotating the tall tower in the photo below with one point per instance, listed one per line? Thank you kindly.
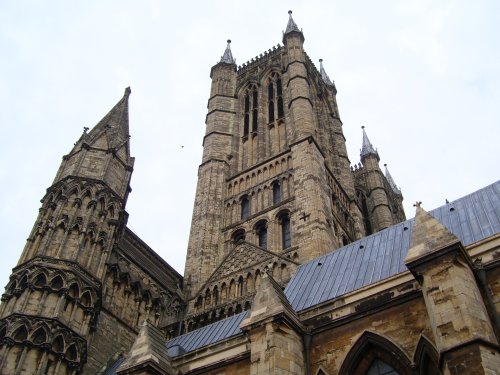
(53, 299)
(275, 187)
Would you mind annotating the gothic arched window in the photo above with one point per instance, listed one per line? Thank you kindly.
(286, 234)
(250, 110)
(245, 207)
(275, 98)
(261, 230)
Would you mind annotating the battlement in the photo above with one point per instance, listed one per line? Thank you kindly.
(257, 60)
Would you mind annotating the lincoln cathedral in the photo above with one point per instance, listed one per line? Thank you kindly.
(300, 259)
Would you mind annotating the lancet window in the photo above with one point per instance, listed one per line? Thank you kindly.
(250, 110)
(275, 98)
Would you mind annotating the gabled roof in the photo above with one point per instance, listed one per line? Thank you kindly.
(381, 255)
(212, 333)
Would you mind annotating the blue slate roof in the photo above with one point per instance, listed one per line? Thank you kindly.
(361, 263)
(215, 332)
(381, 255)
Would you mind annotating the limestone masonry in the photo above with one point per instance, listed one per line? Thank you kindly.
(297, 262)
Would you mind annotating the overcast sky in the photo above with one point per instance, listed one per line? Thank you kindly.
(422, 76)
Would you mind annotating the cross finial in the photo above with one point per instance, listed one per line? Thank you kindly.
(417, 204)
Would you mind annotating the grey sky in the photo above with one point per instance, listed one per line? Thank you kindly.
(422, 76)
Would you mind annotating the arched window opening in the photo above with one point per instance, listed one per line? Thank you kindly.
(57, 283)
(245, 207)
(251, 110)
(21, 334)
(74, 291)
(58, 344)
(39, 337)
(40, 280)
(239, 236)
(72, 353)
(276, 193)
(286, 235)
(375, 355)
(275, 98)
(86, 299)
(261, 230)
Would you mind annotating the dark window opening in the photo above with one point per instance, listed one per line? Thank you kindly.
(239, 236)
(262, 235)
(245, 207)
(276, 193)
(286, 238)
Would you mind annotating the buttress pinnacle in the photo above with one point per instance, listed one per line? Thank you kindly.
(391, 182)
(324, 76)
(291, 26)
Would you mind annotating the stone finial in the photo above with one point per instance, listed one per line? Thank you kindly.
(291, 26)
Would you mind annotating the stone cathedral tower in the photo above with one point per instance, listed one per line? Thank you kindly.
(84, 283)
(275, 186)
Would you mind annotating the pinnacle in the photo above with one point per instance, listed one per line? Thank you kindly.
(367, 148)
(391, 182)
(324, 76)
(291, 26)
(227, 57)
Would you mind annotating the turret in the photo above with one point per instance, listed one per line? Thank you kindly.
(374, 183)
(203, 250)
(300, 98)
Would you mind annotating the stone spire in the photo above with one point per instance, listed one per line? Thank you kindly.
(391, 182)
(115, 123)
(367, 148)
(291, 28)
(227, 57)
(324, 76)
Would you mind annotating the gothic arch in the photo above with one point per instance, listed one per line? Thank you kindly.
(426, 358)
(370, 347)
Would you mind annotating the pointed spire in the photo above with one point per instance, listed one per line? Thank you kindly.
(227, 57)
(324, 76)
(148, 352)
(391, 182)
(114, 122)
(367, 148)
(429, 236)
(291, 26)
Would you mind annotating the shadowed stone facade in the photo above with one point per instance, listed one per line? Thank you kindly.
(297, 263)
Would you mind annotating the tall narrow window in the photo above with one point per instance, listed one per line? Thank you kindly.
(276, 193)
(261, 230)
(251, 110)
(275, 98)
(286, 236)
(245, 207)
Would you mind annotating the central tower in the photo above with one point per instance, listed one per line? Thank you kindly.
(275, 186)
